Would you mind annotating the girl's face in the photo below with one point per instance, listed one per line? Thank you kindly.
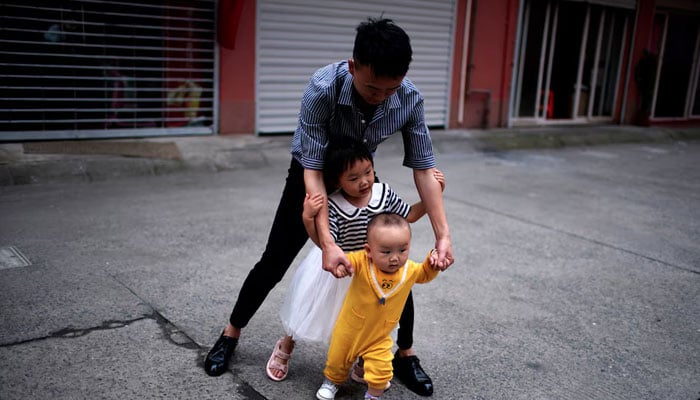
(356, 181)
(388, 247)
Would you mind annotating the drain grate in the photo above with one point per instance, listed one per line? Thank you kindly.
(11, 257)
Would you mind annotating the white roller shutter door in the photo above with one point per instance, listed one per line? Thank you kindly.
(296, 37)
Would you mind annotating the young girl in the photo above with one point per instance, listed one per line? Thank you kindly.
(314, 296)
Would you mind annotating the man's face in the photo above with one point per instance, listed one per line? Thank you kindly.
(373, 90)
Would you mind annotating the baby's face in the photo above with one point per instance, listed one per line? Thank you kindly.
(388, 247)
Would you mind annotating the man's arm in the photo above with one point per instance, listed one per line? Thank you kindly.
(334, 260)
(431, 195)
(418, 210)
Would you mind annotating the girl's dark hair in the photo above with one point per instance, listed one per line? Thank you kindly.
(341, 154)
(383, 46)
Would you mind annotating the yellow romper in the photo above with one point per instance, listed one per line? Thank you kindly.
(372, 308)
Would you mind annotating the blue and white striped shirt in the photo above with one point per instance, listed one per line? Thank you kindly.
(348, 223)
(325, 112)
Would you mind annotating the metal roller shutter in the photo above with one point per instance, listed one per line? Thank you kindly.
(88, 68)
(296, 37)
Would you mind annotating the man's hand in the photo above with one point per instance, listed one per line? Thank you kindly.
(444, 257)
(336, 262)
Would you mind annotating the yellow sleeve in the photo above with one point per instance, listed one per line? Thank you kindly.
(357, 258)
(426, 273)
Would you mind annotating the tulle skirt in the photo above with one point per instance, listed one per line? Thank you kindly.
(313, 300)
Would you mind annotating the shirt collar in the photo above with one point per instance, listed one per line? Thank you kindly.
(376, 201)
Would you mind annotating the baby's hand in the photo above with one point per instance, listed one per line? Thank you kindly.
(433, 259)
(312, 205)
(341, 271)
(440, 178)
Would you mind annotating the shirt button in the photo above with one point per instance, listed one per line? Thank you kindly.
(364, 141)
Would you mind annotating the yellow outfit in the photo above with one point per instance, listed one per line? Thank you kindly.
(372, 308)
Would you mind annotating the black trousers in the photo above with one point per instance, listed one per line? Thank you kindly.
(287, 237)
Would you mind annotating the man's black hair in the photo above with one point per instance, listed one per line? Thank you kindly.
(383, 46)
(341, 154)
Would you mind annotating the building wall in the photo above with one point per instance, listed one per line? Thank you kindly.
(486, 83)
(483, 82)
(236, 30)
(485, 79)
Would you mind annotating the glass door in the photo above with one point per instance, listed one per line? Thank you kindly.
(565, 69)
(533, 52)
(608, 57)
(569, 61)
(695, 102)
(676, 93)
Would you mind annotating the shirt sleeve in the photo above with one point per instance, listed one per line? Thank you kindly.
(418, 147)
(357, 260)
(314, 117)
(395, 204)
(333, 221)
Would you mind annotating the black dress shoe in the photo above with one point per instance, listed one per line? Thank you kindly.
(219, 355)
(409, 371)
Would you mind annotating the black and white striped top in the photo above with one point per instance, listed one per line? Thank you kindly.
(324, 111)
(348, 224)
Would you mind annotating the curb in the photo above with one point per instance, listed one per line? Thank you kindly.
(216, 153)
(201, 154)
(551, 139)
(101, 168)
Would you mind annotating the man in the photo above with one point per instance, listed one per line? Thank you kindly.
(366, 97)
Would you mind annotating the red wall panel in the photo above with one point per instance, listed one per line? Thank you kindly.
(489, 63)
(236, 31)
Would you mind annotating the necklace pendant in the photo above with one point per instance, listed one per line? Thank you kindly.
(382, 301)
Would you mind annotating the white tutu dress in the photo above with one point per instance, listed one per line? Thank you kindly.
(313, 300)
(314, 297)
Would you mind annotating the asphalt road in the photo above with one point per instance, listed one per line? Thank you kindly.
(577, 277)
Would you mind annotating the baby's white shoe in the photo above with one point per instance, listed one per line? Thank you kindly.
(327, 390)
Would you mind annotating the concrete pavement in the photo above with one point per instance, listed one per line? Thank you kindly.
(578, 277)
(220, 153)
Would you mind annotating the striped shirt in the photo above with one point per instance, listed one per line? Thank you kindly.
(348, 223)
(324, 111)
